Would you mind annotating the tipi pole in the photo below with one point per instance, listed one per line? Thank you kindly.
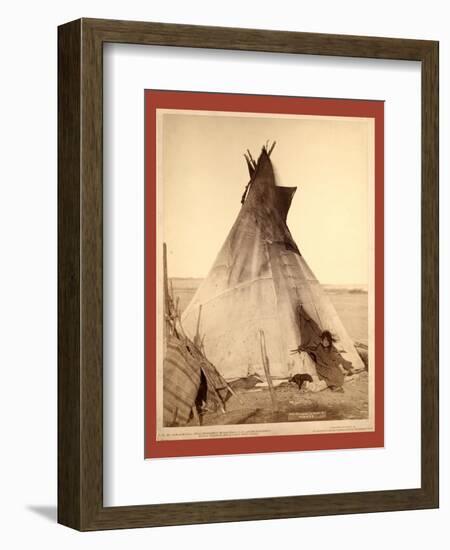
(271, 149)
(251, 159)
(197, 338)
(265, 362)
(166, 281)
(230, 389)
(219, 399)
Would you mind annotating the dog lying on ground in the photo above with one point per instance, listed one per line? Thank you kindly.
(300, 379)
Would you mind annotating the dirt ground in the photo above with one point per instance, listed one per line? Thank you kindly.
(255, 406)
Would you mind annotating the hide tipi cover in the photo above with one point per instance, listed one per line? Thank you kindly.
(256, 288)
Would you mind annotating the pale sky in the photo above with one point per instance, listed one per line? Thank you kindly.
(202, 173)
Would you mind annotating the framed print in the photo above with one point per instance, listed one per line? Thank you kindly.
(248, 274)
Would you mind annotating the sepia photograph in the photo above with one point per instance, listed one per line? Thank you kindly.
(265, 256)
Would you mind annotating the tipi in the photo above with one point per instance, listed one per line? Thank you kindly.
(259, 283)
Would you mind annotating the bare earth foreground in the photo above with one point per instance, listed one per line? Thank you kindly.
(254, 406)
(294, 405)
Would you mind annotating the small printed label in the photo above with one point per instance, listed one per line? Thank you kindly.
(318, 415)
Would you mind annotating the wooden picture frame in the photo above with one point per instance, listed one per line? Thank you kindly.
(80, 273)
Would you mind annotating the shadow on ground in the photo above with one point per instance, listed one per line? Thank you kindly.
(47, 512)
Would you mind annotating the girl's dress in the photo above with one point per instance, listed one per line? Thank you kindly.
(327, 364)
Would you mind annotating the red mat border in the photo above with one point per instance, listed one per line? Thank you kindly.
(160, 99)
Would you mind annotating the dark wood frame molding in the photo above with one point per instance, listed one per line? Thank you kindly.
(80, 274)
